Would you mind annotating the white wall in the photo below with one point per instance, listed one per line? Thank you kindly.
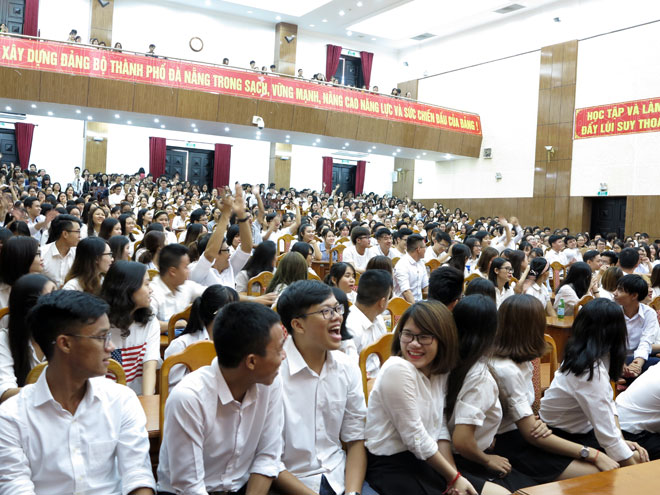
(58, 17)
(58, 145)
(613, 69)
(505, 94)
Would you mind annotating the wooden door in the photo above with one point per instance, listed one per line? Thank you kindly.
(8, 147)
(12, 13)
(344, 175)
(176, 161)
(200, 167)
(608, 215)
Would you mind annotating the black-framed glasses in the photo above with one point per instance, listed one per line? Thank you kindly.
(107, 254)
(74, 231)
(224, 250)
(407, 337)
(326, 312)
(107, 338)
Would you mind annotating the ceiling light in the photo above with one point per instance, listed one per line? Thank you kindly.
(50, 113)
(78, 111)
(341, 13)
(288, 137)
(349, 33)
(359, 4)
(324, 20)
(193, 125)
(156, 121)
(226, 129)
(424, 153)
(33, 105)
(318, 140)
(8, 108)
(311, 25)
(116, 115)
(418, 157)
(347, 144)
(129, 122)
(89, 117)
(195, 129)
(162, 126)
(398, 150)
(278, 17)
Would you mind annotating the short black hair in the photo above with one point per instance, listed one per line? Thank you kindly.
(242, 328)
(62, 311)
(589, 255)
(628, 258)
(59, 224)
(298, 297)
(359, 232)
(634, 284)
(27, 202)
(170, 256)
(373, 286)
(443, 236)
(613, 257)
(553, 238)
(412, 242)
(382, 232)
(445, 284)
(197, 214)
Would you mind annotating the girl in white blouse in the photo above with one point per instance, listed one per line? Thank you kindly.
(578, 405)
(500, 274)
(526, 442)
(539, 271)
(574, 286)
(93, 260)
(609, 281)
(407, 439)
(473, 404)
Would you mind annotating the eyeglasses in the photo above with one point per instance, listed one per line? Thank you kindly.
(105, 338)
(507, 268)
(74, 231)
(224, 250)
(326, 312)
(107, 254)
(407, 337)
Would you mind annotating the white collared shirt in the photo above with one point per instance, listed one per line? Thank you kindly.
(365, 332)
(165, 303)
(212, 442)
(567, 293)
(377, 251)
(320, 412)
(359, 261)
(551, 256)
(639, 404)
(540, 292)
(516, 389)
(203, 272)
(502, 295)
(7, 375)
(405, 411)
(578, 405)
(31, 225)
(642, 331)
(56, 266)
(178, 371)
(102, 448)
(478, 404)
(410, 275)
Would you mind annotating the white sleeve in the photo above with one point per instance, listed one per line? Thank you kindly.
(200, 270)
(649, 334)
(7, 376)
(239, 259)
(269, 449)
(355, 414)
(401, 280)
(513, 393)
(15, 474)
(152, 352)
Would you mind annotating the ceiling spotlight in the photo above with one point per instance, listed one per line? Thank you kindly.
(318, 140)
(195, 129)
(156, 121)
(116, 115)
(162, 126)
(324, 20)
(8, 108)
(193, 125)
(278, 18)
(50, 113)
(129, 122)
(288, 137)
(33, 105)
(349, 33)
(89, 117)
(359, 4)
(342, 13)
(78, 111)
(226, 129)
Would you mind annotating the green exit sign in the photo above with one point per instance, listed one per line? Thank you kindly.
(191, 145)
(602, 193)
(351, 53)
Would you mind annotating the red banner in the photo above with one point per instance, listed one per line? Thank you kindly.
(110, 64)
(630, 117)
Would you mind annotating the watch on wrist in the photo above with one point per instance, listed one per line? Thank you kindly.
(584, 453)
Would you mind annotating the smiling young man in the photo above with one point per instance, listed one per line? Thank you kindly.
(323, 397)
(74, 431)
(223, 422)
(358, 254)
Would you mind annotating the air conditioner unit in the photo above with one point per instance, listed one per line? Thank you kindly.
(12, 116)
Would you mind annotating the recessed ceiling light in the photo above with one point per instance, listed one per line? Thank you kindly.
(193, 125)
(347, 144)
(117, 115)
(341, 12)
(398, 150)
(226, 129)
(162, 126)
(359, 4)
(33, 105)
(89, 117)
(78, 111)
(195, 129)
(424, 153)
(318, 140)
(249, 11)
(343, 147)
(288, 137)
(324, 20)
(313, 144)
(50, 113)
(373, 39)
(156, 121)
(278, 17)
(129, 122)
(349, 33)
(418, 157)
(311, 25)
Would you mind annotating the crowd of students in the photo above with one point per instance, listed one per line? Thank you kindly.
(97, 271)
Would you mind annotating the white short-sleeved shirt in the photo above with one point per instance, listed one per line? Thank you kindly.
(478, 404)
(643, 331)
(540, 292)
(577, 405)
(203, 272)
(315, 429)
(405, 411)
(503, 295)
(7, 376)
(567, 293)
(359, 261)
(516, 390)
(639, 405)
(165, 303)
(141, 345)
(73, 284)
(179, 344)
(410, 275)
(5, 290)
(56, 266)
(365, 332)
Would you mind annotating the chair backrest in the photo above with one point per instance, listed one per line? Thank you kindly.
(551, 355)
(396, 307)
(4, 312)
(395, 261)
(470, 278)
(279, 258)
(137, 245)
(585, 299)
(655, 304)
(284, 243)
(313, 276)
(343, 240)
(556, 268)
(114, 368)
(380, 348)
(339, 249)
(171, 325)
(193, 357)
(261, 281)
(432, 264)
(152, 274)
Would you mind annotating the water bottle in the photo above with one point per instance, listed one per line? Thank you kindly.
(561, 309)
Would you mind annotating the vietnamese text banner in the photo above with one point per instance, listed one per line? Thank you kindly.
(110, 64)
(631, 117)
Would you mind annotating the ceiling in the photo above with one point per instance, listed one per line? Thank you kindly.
(389, 23)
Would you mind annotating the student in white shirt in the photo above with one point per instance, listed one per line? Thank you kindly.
(314, 430)
(263, 259)
(473, 404)
(539, 271)
(400, 238)
(342, 275)
(575, 285)
(59, 254)
(573, 254)
(500, 274)
(524, 441)
(365, 321)
(440, 250)
(200, 325)
(19, 352)
(408, 443)
(579, 406)
(19, 255)
(358, 254)
(384, 244)
(411, 280)
(92, 261)
(608, 282)
(446, 286)
(555, 253)
(135, 330)
(74, 431)
(223, 422)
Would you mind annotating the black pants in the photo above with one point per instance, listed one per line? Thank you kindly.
(650, 441)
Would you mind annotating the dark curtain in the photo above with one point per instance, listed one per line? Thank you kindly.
(24, 133)
(31, 18)
(332, 61)
(157, 155)
(367, 60)
(327, 173)
(359, 176)
(221, 165)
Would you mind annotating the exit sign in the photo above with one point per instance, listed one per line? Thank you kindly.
(351, 53)
(602, 193)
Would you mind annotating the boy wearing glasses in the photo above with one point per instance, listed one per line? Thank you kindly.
(323, 398)
(74, 431)
(59, 254)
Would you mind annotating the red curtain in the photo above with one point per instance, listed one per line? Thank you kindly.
(332, 61)
(359, 176)
(31, 18)
(327, 173)
(221, 165)
(24, 133)
(157, 155)
(367, 60)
